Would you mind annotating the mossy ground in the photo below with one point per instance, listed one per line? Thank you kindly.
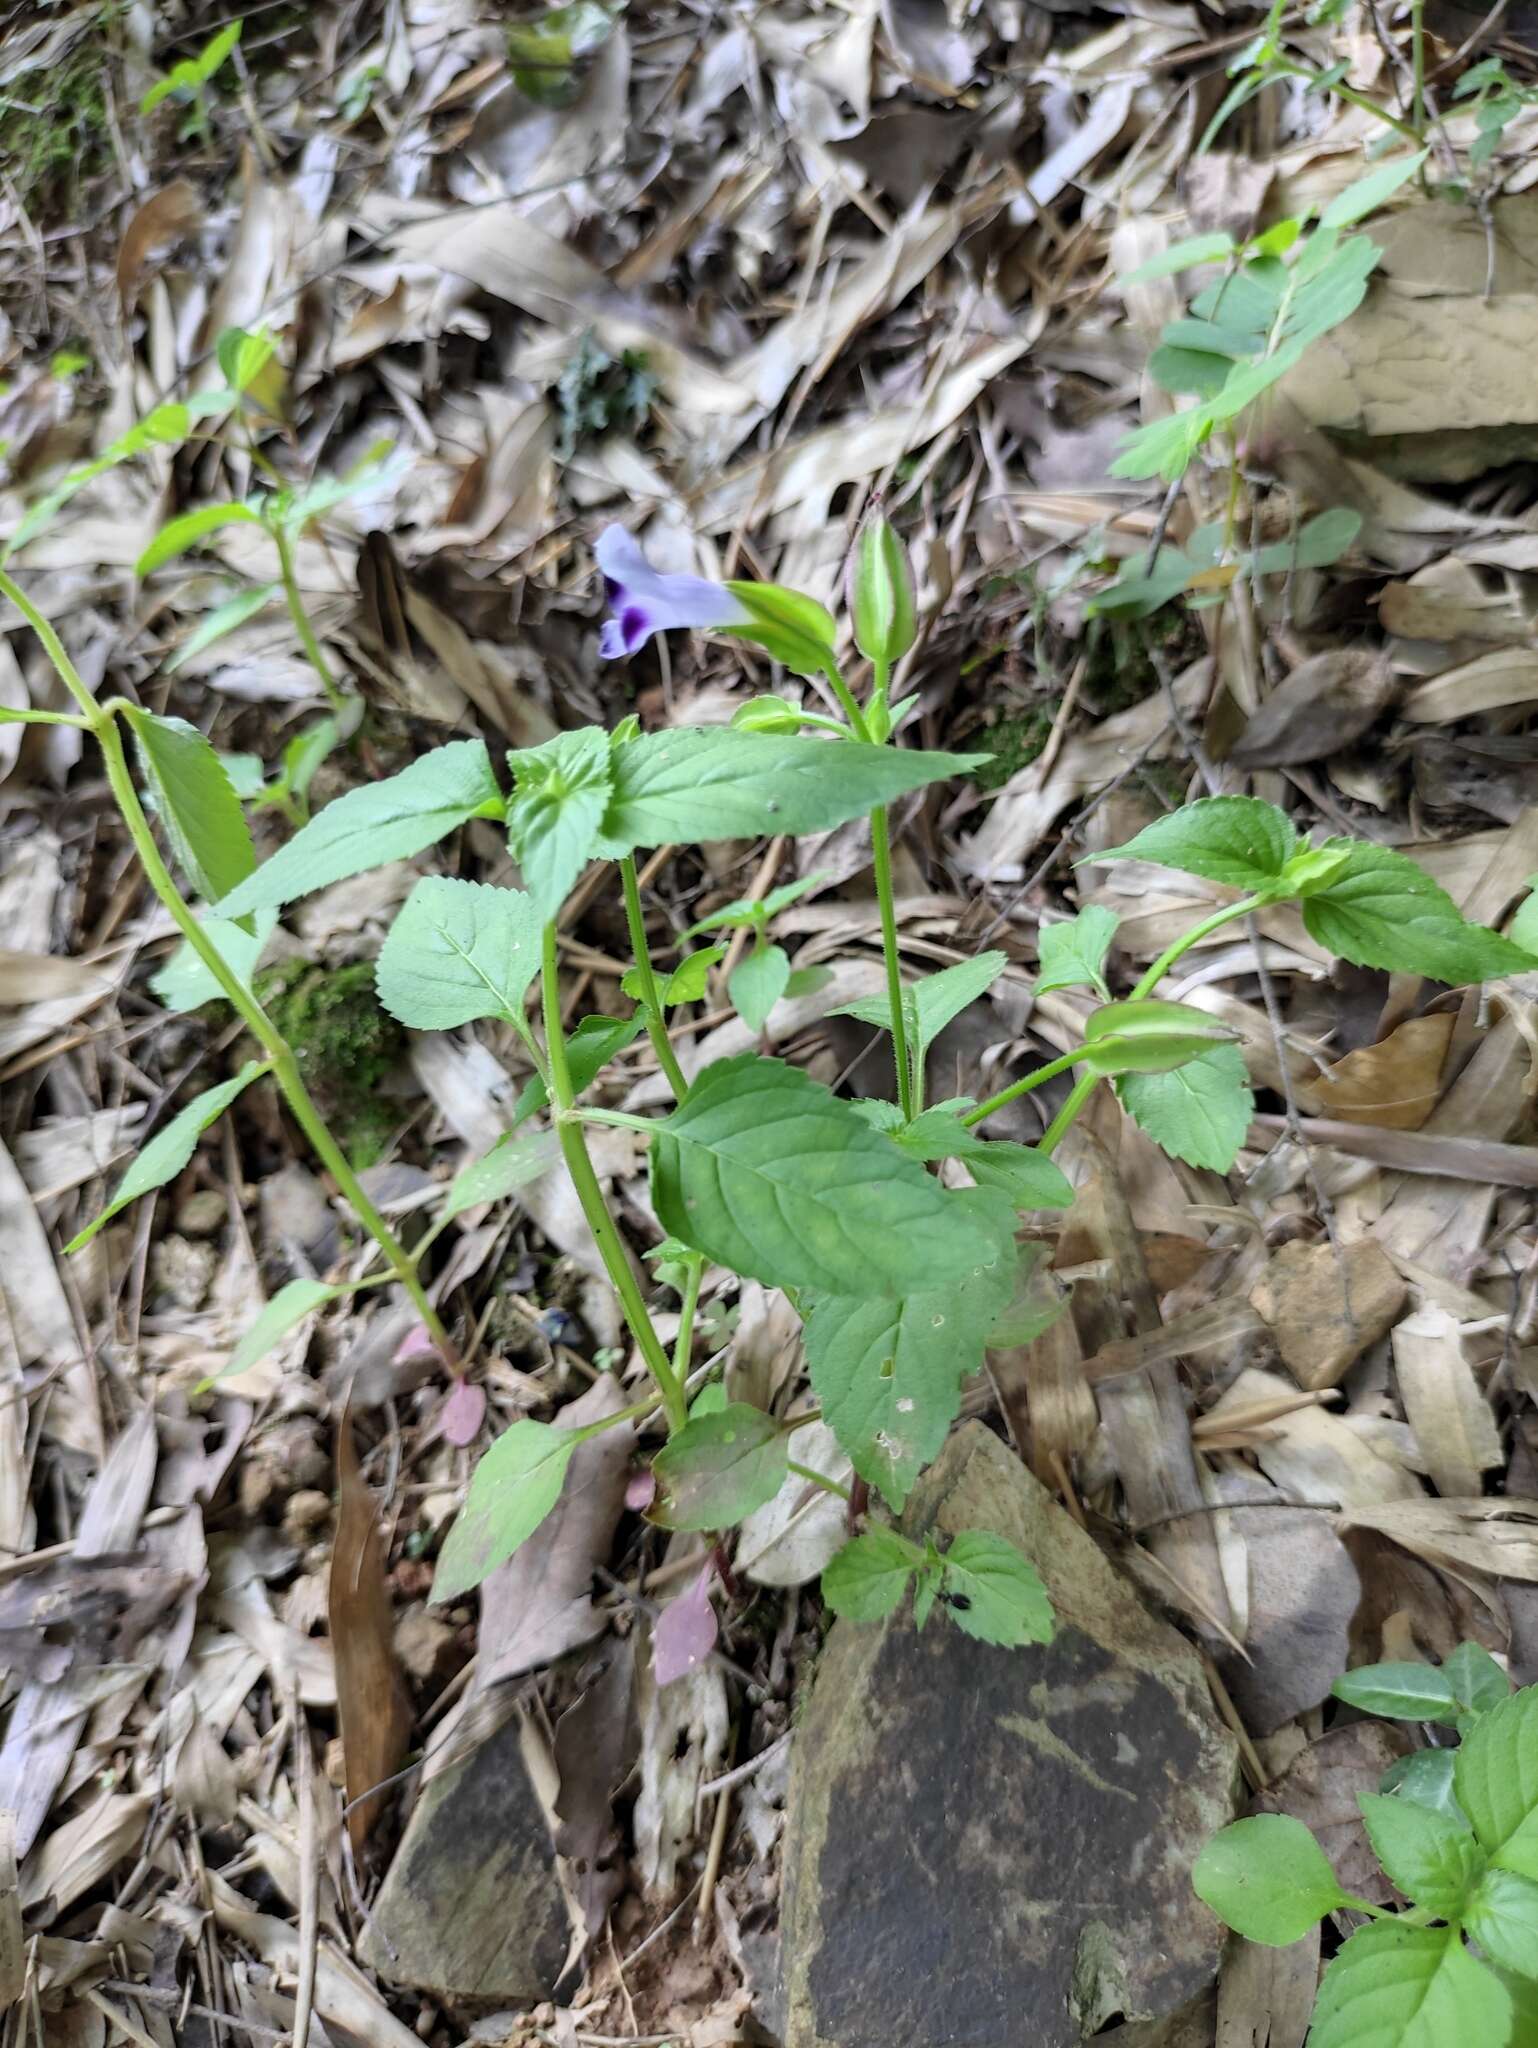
(53, 121)
(345, 1044)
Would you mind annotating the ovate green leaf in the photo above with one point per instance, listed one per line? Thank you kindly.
(177, 535)
(1369, 193)
(1475, 1677)
(1378, 909)
(1503, 1918)
(1496, 1778)
(515, 1486)
(695, 784)
(1200, 1112)
(1396, 1986)
(1401, 1692)
(937, 999)
(867, 1579)
(553, 815)
(719, 1468)
(768, 1172)
(1234, 839)
(184, 983)
(1267, 1878)
(1073, 953)
(1432, 1858)
(381, 822)
(990, 1591)
(284, 1312)
(193, 799)
(458, 951)
(510, 1164)
(757, 982)
(169, 1150)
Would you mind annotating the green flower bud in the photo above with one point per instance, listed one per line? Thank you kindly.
(880, 591)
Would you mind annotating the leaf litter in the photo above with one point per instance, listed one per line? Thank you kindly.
(745, 272)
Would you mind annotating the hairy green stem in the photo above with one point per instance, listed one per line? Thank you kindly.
(285, 1068)
(881, 847)
(846, 702)
(1016, 1089)
(651, 995)
(569, 1134)
(301, 619)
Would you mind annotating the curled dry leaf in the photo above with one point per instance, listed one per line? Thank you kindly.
(158, 225)
(1393, 1084)
(372, 1706)
(1325, 704)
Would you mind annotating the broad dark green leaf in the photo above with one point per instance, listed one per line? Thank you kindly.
(369, 827)
(768, 1172)
(1234, 839)
(1267, 1878)
(719, 1468)
(1397, 1986)
(458, 951)
(554, 813)
(1432, 1858)
(515, 1486)
(867, 1579)
(1200, 1112)
(195, 803)
(1378, 909)
(1496, 1779)
(994, 1593)
(695, 784)
(1028, 1177)
(169, 1150)
(889, 1373)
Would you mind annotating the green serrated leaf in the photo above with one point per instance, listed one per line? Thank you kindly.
(936, 1000)
(1475, 1677)
(719, 1468)
(889, 1373)
(169, 1150)
(284, 1312)
(224, 618)
(1234, 839)
(691, 785)
(381, 822)
(515, 1486)
(193, 799)
(1432, 1858)
(1502, 1917)
(768, 1172)
(1073, 953)
(1267, 1878)
(1378, 909)
(1400, 1692)
(177, 535)
(1200, 1112)
(184, 983)
(458, 951)
(867, 1579)
(1496, 1779)
(994, 1593)
(1397, 1986)
(757, 982)
(554, 814)
(510, 1164)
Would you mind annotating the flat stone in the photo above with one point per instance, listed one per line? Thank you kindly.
(992, 1848)
(472, 1906)
(1303, 1296)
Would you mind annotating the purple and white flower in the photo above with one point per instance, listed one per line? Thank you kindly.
(644, 600)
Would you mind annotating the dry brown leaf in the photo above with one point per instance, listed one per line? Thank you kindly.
(1498, 1536)
(1325, 704)
(1451, 1418)
(372, 1704)
(1393, 1084)
(155, 229)
(1506, 675)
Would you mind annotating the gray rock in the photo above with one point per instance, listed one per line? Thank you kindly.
(473, 1906)
(992, 1848)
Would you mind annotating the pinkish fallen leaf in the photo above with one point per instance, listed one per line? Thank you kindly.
(685, 1631)
(640, 1490)
(417, 1343)
(462, 1414)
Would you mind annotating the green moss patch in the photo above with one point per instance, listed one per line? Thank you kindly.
(345, 1044)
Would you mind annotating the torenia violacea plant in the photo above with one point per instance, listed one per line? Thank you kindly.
(892, 1225)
